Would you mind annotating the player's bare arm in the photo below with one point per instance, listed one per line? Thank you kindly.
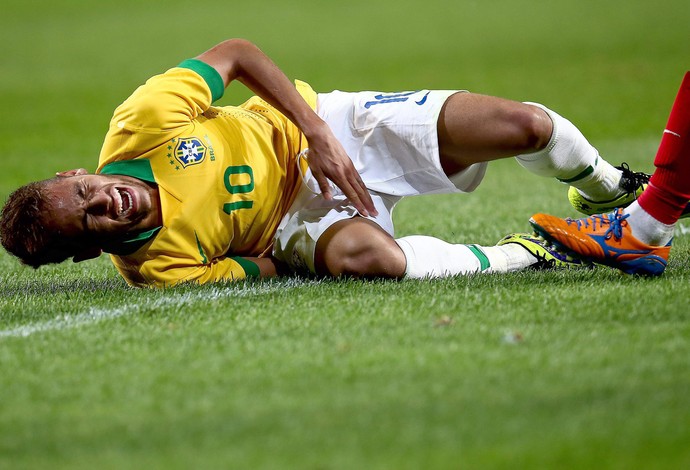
(268, 266)
(238, 59)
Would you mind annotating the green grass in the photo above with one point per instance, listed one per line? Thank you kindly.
(529, 370)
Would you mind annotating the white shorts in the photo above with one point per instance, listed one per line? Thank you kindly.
(393, 141)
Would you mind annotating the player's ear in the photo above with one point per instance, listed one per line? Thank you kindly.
(77, 172)
(87, 253)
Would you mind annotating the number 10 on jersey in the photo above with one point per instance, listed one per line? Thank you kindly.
(234, 173)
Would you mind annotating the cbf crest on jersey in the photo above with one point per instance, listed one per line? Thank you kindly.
(189, 151)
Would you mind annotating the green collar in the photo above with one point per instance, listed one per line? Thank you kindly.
(140, 169)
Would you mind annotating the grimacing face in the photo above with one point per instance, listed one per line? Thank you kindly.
(101, 208)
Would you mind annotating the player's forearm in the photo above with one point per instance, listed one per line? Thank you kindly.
(238, 59)
(269, 267)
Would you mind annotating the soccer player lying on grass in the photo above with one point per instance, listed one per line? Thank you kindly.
(185, 191)
(637, 239)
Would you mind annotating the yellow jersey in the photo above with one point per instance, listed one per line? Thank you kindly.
(226, 176)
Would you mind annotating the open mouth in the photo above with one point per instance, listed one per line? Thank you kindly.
(124, 201)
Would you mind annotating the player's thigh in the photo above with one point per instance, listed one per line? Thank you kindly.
(358, 247)
(476, 128)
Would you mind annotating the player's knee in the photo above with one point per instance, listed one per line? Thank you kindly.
(535, 126)
(373, 255)
(373, 260)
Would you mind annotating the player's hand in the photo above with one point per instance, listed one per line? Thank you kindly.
(328, 160)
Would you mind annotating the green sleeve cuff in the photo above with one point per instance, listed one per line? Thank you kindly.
(250, 268)
(209, 74)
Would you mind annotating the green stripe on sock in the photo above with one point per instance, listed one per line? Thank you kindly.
(483, 260)
(586, 172)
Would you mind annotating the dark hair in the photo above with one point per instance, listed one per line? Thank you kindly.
(23, 229)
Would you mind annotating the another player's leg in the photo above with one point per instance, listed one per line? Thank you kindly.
(637, 239)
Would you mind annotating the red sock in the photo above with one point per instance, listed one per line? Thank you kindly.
(669, 187)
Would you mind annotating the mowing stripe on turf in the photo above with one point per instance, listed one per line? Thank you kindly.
(93, 315)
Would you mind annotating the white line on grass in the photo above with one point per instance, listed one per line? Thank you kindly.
(94, 315)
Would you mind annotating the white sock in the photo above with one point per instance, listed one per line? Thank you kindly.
(571, 159)
(429, 257)
(602, 184)
(646, 228)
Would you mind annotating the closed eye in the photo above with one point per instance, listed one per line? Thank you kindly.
(81, 195)
(81, 191)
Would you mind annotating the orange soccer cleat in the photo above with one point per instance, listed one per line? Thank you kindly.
(604, 239)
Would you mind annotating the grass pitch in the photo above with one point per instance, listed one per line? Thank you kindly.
(587, 369)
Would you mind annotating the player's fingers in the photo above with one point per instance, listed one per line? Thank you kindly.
(324, 185)
(359, 196)
(354, 198)
(364, 195)
(357, 192)
(350, 183)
